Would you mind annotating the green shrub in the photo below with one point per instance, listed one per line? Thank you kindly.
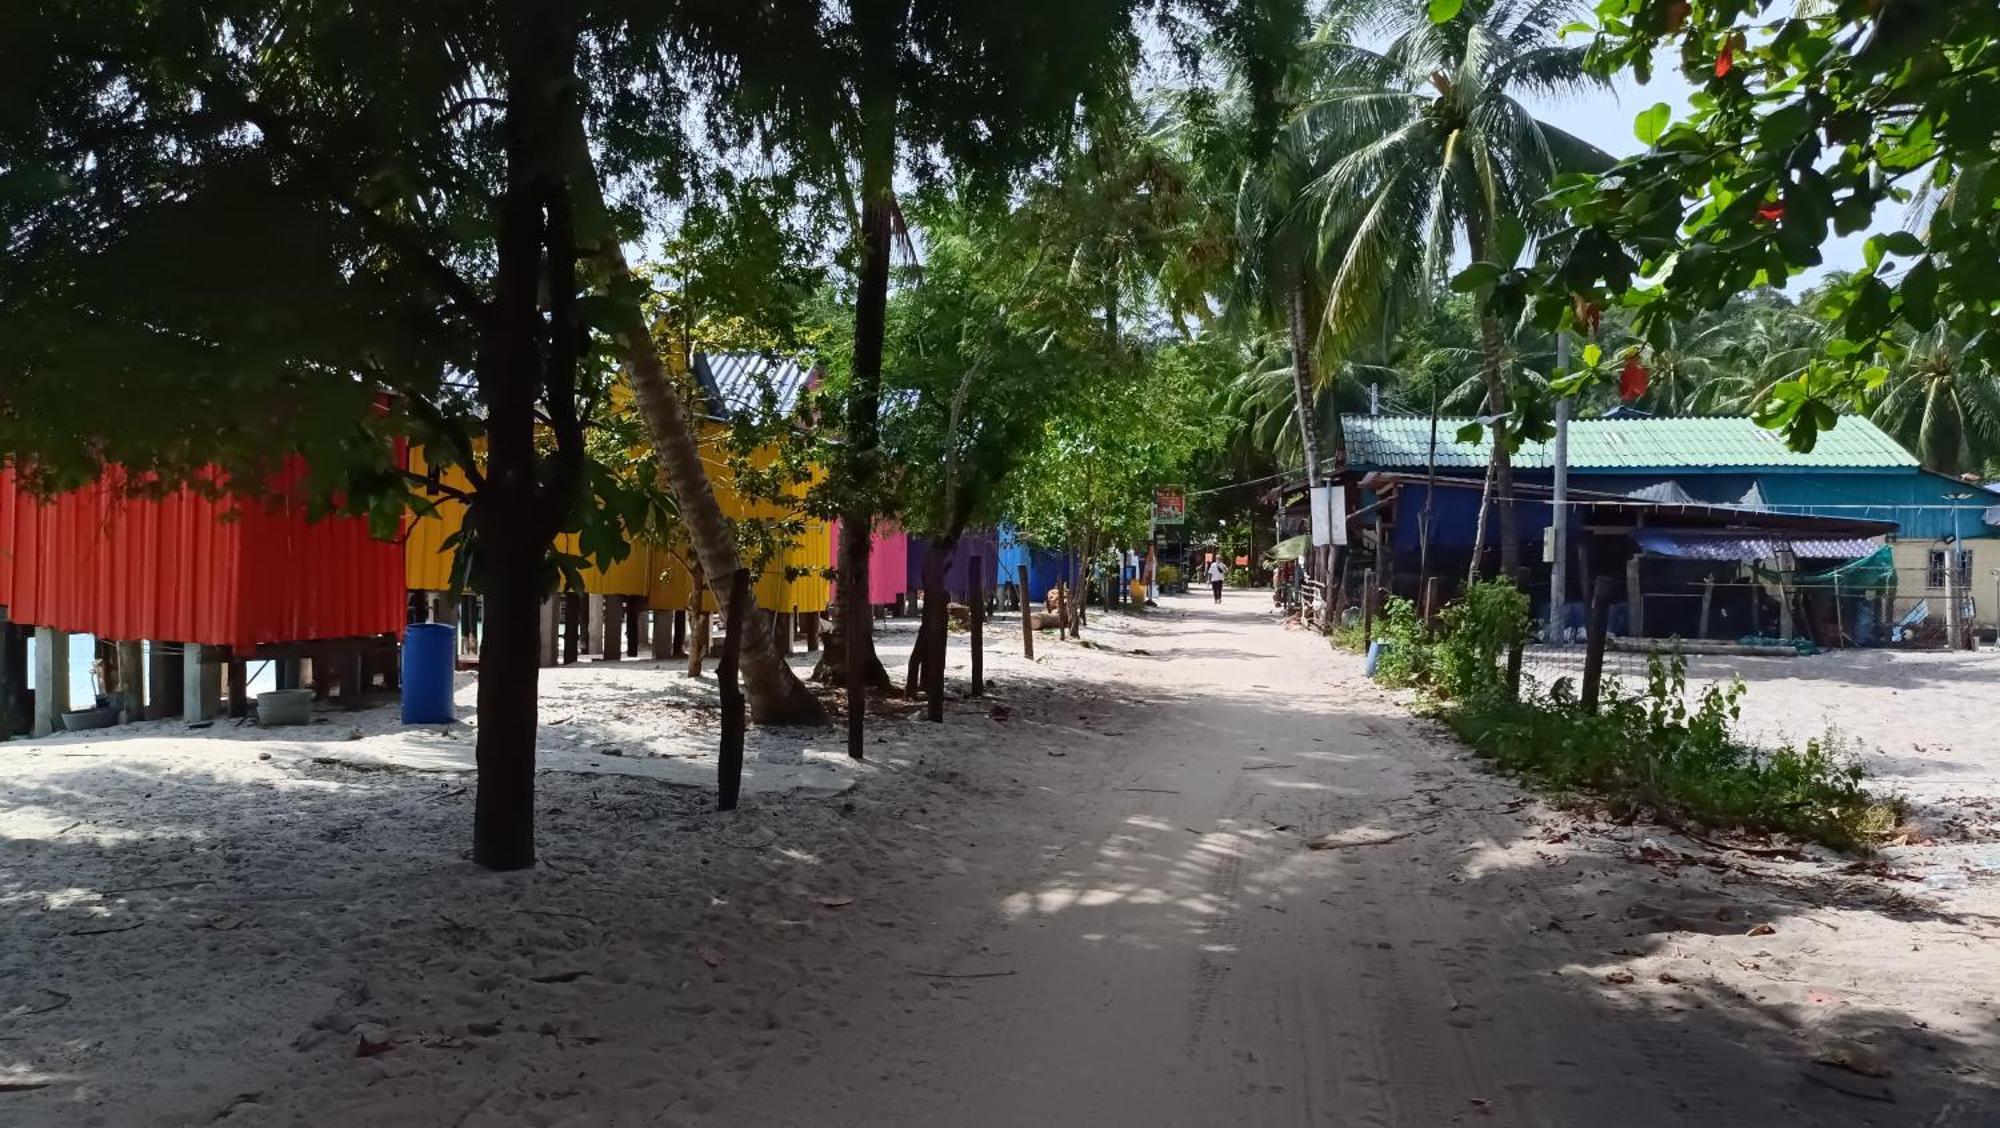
(1168, 575)
(1659, 750)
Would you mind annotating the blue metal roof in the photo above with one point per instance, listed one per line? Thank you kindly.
(733, 382)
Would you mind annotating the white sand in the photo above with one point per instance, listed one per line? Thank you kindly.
(1086, 901)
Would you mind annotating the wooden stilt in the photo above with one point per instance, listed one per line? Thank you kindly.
(163, 669)
(975, 598)
(1027, 615)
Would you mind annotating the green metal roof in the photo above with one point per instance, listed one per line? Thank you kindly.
(1402, 442)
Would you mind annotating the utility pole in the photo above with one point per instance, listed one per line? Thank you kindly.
(1559, 567)
(1374, 399)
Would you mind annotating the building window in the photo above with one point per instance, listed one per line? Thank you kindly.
(1934, 573)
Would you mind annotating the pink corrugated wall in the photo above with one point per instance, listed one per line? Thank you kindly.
(888, 560)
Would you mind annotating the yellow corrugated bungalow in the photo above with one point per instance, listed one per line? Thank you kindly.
(728, 383)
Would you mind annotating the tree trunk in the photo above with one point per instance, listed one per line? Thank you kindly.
(1502, 463)
(1490, 363)
(776, 694)
(1302, 382)
(523, 360)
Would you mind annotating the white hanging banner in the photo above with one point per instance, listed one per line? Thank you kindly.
(1329, 515)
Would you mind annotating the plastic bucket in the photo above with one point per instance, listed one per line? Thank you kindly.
(430, 652)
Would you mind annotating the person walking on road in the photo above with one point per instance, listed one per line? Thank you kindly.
(1216, 573)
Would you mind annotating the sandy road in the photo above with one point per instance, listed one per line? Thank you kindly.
(1170, 952)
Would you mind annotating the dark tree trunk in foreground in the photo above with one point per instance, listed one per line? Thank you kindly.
(525, 360)
(1302, 326)
(1491, 364)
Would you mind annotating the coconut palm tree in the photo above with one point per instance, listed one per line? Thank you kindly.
(1450, 159)
(1942, 404)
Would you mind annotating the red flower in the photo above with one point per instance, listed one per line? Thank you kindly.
(1771, 213)
(1725, 61)
(1632, 378)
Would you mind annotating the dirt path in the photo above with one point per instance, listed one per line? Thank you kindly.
(1087, 899)
(1178, 956)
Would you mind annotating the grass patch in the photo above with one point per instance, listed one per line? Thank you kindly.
(1654, 750)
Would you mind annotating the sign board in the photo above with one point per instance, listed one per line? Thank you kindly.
(1169, 506)
(1329, 515)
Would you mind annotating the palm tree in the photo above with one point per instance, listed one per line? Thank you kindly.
(1451, 158)
(1942, 404)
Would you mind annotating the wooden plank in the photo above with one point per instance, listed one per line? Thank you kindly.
(1367, 608)
(1635, 596)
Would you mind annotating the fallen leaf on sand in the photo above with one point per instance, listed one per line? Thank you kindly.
(1668, 977)
(836, 902)
(1765, 929)
(709, 956)
(369, 1047)
(1620, 977)
(439, 1040)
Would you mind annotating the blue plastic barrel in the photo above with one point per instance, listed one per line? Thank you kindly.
(430, 652)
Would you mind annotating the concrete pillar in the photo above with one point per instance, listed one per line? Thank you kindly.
(201, 682)
(131, 681)
(608, 619)
(550, 631)
(51, 678)
(640, 619)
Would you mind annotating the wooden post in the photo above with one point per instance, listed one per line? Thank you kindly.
(1027, 615)
(131, 686)
(1367, 607)
(354, 680)
(937, 617)
(609, 621)
(1707, 601)
(729, 762)
(1514, 651)
(51, 678)
(1430, 601)
(1593, 653)
(239, 687)
(1787, 564)
(10, 677)
(572, 616)
(1635, 596)
(809, 626)
(975, 598)
(661, 631)
(635, 625)
(680, 640)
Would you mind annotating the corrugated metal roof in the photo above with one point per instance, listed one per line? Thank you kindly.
(1704, 546)
(734, 382)
(1402, 442)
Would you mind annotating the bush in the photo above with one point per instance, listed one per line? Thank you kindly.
(1654, 751)
(1168, 575)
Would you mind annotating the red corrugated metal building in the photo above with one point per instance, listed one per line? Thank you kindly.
(231, 572)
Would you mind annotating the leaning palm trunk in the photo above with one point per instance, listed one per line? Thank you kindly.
(1302, 382)
(776, 694)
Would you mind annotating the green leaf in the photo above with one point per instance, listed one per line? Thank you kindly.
(1592, 355)
(1478, 276)
(1470, 433)
(1919, 294)
(1513, 236)
(1652, 122)
(1445, 11)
